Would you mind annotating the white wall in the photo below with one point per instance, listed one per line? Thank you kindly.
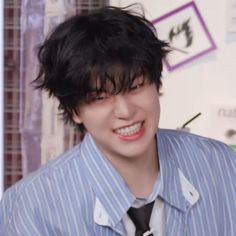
(207, 81)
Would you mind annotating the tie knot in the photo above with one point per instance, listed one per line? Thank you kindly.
(141, 217)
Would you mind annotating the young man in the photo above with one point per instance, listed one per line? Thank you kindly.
(105, 70)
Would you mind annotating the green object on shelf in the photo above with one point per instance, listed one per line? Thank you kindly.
(233, 146)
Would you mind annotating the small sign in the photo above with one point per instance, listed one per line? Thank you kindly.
(187, 34)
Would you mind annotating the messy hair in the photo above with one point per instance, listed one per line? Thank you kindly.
(110, 44)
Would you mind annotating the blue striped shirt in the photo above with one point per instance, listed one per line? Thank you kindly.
(68, 196)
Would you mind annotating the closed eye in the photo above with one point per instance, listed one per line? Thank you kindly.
(100, 97)
(137, 83)
(136, 86)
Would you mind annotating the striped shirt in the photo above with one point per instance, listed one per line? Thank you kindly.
(81, 193)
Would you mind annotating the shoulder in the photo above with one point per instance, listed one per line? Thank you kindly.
(193, 141)
(41, 190)
(53, 169)
(199, 157)
(193, 150)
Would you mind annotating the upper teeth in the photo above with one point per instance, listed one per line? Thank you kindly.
(130, 129)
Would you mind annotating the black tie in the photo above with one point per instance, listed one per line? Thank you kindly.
(141, 217)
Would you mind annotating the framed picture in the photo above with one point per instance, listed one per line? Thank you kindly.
(187, 34)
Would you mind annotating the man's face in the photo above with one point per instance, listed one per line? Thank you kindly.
(123, 125)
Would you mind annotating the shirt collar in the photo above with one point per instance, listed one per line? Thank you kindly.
(176, 189)
(113, 195)
(107, 183)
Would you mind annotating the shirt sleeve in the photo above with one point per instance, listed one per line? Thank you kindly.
(16, 215)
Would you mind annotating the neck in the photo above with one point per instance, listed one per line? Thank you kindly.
(140, 174)
(141, 178)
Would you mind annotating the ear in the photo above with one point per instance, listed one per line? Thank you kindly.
(77, 119)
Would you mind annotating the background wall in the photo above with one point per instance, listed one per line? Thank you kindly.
(203, 85)
(2, 101)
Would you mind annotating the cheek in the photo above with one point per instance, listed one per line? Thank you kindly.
(155, 114)
(154, 107)
(153, 103)
(94, 118)
(159, 111)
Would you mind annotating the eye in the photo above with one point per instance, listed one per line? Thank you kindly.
(100, 97)
(137, 84)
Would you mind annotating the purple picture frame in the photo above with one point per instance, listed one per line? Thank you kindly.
(202, 30)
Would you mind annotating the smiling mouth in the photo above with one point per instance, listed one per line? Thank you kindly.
(129, 130)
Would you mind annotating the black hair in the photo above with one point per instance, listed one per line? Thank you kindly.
(109, 44)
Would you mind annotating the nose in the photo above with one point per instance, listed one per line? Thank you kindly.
(123, 107)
